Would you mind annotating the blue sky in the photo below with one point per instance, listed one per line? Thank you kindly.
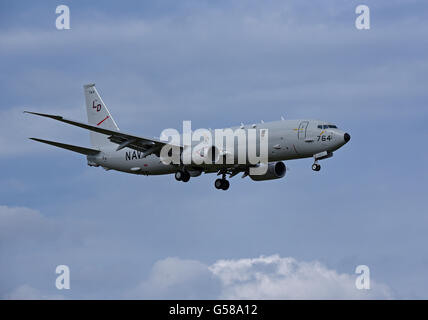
(217, 64)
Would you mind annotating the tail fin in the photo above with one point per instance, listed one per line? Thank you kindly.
(98, 115)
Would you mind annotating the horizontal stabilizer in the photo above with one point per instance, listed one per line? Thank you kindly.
(82, 150)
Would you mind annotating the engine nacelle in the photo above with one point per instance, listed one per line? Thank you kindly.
(194, 172)
(275, 170)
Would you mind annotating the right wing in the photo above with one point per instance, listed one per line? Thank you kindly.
(145, 145)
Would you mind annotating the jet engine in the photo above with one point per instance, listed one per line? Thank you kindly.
(194, 172)
(275, 170)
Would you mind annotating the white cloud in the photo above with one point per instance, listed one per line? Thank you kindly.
(224, 61)
(19, 224)
(270, 277)
(174, 277)
(274, 277)
(224, 66)
(16, 127)
(26, 292)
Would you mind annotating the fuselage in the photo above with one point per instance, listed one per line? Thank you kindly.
(287, 140)
(256, 150)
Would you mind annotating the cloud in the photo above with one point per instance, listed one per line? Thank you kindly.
(179, 278)
(19, 224)
(266, 277)
(25, 234)
(17, 127)
(31, 246)
(225, 61)
(26, 292)
(217, 65)
(274, 277)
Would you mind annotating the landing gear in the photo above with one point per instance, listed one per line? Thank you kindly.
(225, 185)
(222, 184)
(182, 176)
(316, 167)
(186, 177)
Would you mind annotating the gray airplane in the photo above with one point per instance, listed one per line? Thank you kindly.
(113, 149)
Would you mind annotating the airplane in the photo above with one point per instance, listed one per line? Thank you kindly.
(115, 150)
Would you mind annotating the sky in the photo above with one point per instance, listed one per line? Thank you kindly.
(216, 63)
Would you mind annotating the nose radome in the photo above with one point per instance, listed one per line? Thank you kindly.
(347, 137)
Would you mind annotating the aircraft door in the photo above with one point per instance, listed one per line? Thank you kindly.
(301, 131)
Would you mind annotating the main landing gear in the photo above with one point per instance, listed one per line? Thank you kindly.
(222, 183)
(182, 176)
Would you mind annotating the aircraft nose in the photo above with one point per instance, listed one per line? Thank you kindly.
(346, 137)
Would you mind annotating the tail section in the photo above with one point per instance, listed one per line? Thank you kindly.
(98, 115)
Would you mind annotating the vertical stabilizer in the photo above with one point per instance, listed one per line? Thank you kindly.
(98, 115)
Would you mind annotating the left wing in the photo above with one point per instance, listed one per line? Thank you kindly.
(82, 150)
(145, 145)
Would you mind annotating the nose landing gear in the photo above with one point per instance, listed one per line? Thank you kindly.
(316, 167)
(320, 156)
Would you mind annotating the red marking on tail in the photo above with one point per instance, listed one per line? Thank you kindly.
(103, 120)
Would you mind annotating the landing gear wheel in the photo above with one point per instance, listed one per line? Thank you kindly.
(218, 183)
(225, 185)
(186, 177)
(182, 176)
(222, 184)
(316, 167)
(179, 175)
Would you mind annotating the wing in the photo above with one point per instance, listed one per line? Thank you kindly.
(145, 145)
(82, 150)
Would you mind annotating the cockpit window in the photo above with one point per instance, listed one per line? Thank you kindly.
(326, 126)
